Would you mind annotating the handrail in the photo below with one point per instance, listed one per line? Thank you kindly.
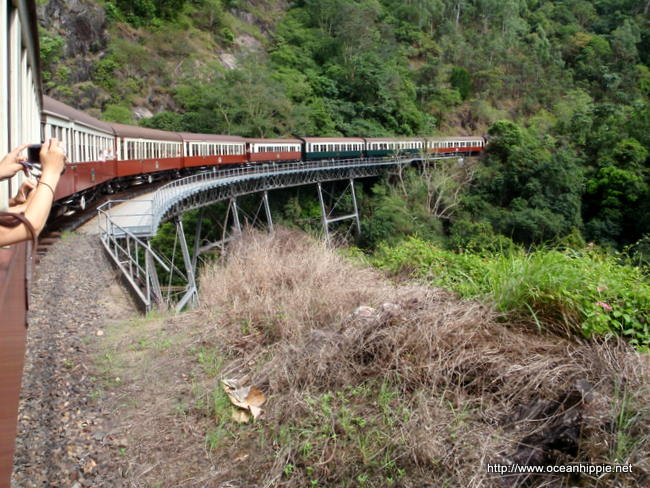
(170, 193)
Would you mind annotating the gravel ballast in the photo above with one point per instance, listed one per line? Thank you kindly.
(65, 435)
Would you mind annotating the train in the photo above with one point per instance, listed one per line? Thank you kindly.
(105, 157)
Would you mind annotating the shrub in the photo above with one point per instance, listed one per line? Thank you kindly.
(587, 292)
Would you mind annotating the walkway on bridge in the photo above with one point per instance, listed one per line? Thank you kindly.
(141, 216)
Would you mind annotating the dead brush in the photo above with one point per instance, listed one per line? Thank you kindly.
(471, 390)
(283, 285)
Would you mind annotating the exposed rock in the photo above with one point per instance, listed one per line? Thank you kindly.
(82, 23)
(229, 61)
(248, 43)
(142, 113)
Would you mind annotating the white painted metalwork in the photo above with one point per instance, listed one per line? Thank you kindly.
(125, 231)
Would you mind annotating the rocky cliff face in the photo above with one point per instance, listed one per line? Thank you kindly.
(76, 31)
(97, 63)
(82, 22)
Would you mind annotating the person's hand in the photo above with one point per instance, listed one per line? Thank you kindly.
(52, 157)
(11, 163)
(23, 193)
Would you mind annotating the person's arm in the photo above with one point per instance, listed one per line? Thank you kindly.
(40, 199)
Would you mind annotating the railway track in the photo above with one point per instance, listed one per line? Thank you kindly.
(65, 434)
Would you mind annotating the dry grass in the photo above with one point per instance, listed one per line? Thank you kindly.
(412, 387)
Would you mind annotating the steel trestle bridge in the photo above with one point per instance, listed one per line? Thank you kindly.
(126, 230)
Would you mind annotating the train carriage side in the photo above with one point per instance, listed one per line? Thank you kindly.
(143, 151)
(333, 148)
(273, 150)
(391, 146)
(87, 141)
(470, 145)
(20, 106)
(212, 150)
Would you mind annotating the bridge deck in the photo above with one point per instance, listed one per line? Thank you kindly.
(141, 216)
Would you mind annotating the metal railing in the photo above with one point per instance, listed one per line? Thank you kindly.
(171, 193)
(129, 246)
(128, 251)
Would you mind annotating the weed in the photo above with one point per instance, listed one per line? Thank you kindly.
(210, 360)
(626, 419)
(67, 234)
(214, 438)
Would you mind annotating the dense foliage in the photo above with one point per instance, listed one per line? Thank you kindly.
(587, 292)
(560, 87)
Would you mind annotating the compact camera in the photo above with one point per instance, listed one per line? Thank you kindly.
(33, 165)
(34, 153)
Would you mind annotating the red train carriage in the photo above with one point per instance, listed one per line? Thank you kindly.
(144, 151)
(453, 145)
(212, 149)
(87, 142)
(258, 150)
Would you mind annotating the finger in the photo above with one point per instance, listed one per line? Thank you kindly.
(17, 150)
(29, 185)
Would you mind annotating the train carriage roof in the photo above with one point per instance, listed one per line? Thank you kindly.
(130, 131)
(63, 111)
(394, 139)
(332, 139)
(189, 137)
(455, 138)
(274, 141)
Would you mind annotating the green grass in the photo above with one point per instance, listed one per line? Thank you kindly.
(585, 292)
(362, 422)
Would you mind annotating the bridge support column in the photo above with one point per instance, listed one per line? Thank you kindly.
(356, 207)
(154, 292)
(197, 241)
(323, 211)
(327, 218)
(267, 209)
(235, 214)
(191, 292)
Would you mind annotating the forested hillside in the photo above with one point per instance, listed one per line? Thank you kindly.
(561, 88)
